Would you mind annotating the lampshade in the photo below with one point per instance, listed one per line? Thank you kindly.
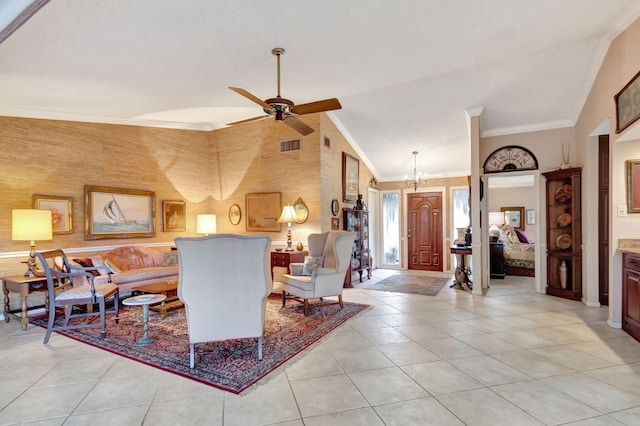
(288, 215)
(31, 225)
(206, 224)
(496, 218)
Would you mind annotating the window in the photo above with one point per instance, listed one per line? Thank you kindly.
(391, 228)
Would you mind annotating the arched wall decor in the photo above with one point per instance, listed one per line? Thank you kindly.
(511, 158)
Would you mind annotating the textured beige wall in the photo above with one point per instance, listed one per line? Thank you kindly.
(209, 170)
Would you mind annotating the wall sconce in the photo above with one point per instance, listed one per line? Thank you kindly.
(206, 224)
(31, 225)
(288, 216)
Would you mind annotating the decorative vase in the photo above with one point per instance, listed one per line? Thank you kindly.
(300, 247)
(562, 270)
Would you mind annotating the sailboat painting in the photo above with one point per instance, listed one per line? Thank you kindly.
(118, 213)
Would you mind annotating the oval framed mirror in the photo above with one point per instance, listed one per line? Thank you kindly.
(301, 210)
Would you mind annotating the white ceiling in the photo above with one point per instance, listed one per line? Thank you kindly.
(405, 72)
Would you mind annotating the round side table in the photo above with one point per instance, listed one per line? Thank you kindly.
(145, 300)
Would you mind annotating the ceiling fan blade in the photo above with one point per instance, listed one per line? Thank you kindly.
(248, 95)
(248, 120)
(298, 125)
(318, 106)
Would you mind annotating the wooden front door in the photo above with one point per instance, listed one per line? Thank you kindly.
(424, 231)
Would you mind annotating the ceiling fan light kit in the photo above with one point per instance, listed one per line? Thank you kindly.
(283, 109)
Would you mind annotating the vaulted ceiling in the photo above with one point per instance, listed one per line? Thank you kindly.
(405, 72)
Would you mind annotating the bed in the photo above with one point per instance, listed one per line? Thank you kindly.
(519, 252)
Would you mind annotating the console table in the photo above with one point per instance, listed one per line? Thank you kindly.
(462, 271)
(24, 286)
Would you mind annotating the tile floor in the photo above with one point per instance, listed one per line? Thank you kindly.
(513, 357)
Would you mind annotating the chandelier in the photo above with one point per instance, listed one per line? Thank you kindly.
(419, 179)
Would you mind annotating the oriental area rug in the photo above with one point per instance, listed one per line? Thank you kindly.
(230, 365)
(414, 284)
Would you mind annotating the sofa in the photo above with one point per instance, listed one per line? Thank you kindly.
(131, 266)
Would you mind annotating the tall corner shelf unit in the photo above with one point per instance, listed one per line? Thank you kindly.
(564, 233)
(358, 221)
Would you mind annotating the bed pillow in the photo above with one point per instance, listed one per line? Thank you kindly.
(522, 236)
(311, 264)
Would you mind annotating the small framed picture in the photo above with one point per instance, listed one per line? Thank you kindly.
(235, 214)
(174, 216)
(60, 211)
(531, 217)
(335, 223)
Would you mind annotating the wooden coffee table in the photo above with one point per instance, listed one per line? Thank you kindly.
(170, 289)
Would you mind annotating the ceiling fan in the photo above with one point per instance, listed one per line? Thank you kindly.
(285, 110)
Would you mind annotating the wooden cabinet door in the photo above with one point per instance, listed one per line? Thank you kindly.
(631, 296)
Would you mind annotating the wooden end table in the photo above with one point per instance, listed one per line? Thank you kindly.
(169, 289)
(24, 286)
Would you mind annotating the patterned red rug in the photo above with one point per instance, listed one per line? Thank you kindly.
(230, 365)
(414, 284)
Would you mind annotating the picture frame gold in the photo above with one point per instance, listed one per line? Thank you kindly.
(118, 213)
(628, 104)
(174, 216)
(514, 216)
(633, 186)
(350, 178)
(61, 211)
(335, 223)
(263, 210)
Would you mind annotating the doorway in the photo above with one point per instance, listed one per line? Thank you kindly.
(424, 231)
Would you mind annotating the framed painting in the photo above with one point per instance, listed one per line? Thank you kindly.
(174, 216)
(118, 213)
(633, 186)
(628, 104)
(514, 216)
(235, 214)
(61, 208)
(263, 210)
(335, 223)
(350, 175)
(531, 217)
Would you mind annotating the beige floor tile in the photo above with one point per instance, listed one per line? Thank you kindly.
(488, 343)
(120, 392)
(592, 392)
(359, 417)
(605, 420)
(612, 354)
(625, 377)
(483, 407)
(7, 397)
(488, 370)
(527, 339)
(572, 358)
(20, 377)
(45, 403)
(449, 348)
(440, 377)
(317, 363)
(194, 410)
(360, 323)
(380, 336)
(454, 328)
(532, 364)
(345, 337)
(420, 332)
(405, 353)
(361, 359)
(395, 320)
(419, 412)
(120, 416)
(545, 403)
(324, 395)
(629, 417)
(76, 371)
(173, 386)
(387, 385)
(270, 403)
(487, 325)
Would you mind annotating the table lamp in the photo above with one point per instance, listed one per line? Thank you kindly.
(206, 224)
(495, 218)
(31, 225)
(288, 216)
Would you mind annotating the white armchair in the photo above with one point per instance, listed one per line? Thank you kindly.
(224, 282)
(322, 274)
